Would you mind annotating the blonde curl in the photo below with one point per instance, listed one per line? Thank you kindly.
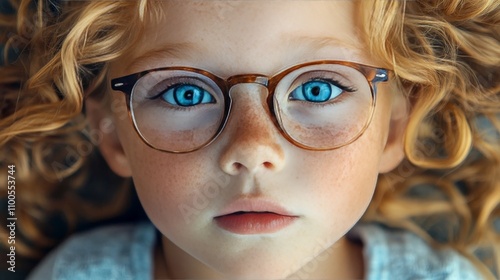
(444, 55)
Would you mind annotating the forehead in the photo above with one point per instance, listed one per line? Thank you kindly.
(249, 36)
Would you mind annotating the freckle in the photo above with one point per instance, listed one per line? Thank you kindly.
(254, 132)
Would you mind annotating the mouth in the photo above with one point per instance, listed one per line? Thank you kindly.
(254, 222)
(254, 217)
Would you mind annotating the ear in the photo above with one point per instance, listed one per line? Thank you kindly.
(102, 123)
(393, 152)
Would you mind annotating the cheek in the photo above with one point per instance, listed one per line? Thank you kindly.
(166, 183)
(344, 181)
(341, 183)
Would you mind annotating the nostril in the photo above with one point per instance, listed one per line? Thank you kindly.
(268, 165)
(237, 166)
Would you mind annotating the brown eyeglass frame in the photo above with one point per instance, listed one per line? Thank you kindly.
(372, 74)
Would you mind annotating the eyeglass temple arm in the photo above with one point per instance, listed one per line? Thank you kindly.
(381, 75)
(124, 84)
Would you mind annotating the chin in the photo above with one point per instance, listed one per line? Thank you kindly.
(263, 271)
(265, 264)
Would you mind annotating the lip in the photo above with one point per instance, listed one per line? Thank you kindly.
(254, 217)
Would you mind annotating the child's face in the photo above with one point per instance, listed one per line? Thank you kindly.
(326, 192)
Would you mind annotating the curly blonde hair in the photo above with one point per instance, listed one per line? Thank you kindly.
(445, 58)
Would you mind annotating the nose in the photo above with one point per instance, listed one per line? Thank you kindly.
(253, 143)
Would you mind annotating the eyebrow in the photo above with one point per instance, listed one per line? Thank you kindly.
(317, 43)
(295, 42)
(171, 50)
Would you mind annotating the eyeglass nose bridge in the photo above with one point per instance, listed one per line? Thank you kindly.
(259, 79)
(246, 79)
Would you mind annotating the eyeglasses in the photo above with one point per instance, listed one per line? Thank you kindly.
(319, 105)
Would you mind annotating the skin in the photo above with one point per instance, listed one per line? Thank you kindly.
(328, 190)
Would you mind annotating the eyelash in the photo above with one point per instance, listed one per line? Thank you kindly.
(171, 82)
(167, 84)
(336, 83)
(161, 92)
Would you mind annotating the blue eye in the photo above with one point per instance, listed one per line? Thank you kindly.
(187, 95)
(316, 91)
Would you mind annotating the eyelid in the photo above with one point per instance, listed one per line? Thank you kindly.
(161, 87)
(336, 83)
(326, 76)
